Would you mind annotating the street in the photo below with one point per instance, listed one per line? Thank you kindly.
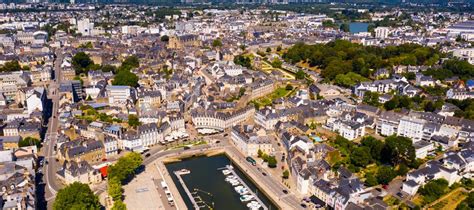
(50, 164)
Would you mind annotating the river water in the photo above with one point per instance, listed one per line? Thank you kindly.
(356, 27)
(210, 183)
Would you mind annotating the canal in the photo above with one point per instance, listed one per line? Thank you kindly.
(209, 183)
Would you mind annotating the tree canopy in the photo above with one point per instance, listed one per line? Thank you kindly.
(125, 166)
(342, 57)
(217, 43)
(433, 189)
(29, 141)
(386, 155)
(165, 38)
(124, 75)
(133, 120)
(76, 196)
(81, 62)
(399, 150)
(243, 61)
(10, 66)
(119, 205)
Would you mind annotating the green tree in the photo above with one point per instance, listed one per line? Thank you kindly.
(133, 120)
(268, 50)
(289, 87)
(10, 66)
(165, 38)
(370, 180)
(328, 24)
(125, 77)
(300, 74)
(375, 146)
(272, 162)
(109, 68)
(385, 174)
(81, 62)
(278, 49)
(344, 27)
(433, 189)
(391, 104)
(360, 156)
(115, 189)
(125, 166)
(259, 153)
(286, 174)
(344, 145)
(402, 170)
(371, 98)
(399, 150)
(119, 205)
(242, 91)
(87, 45)
(276, 63)
(76, 196)
(131, 62)
(243, 61)
(217, 43)
(29, 141)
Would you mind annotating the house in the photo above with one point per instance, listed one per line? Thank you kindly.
(79, 150)
(110, 146)
(249, 140)
(384, 98)
(120, 95)
(433, 170)
(459, 92)
(78, 172)
(180, 42)
(348, 129)
(9, 142)
(424, 81)
(422, 148)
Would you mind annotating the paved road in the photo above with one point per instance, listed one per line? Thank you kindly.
(51, 136)
(274, 185)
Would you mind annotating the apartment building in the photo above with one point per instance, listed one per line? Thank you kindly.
(249, 140)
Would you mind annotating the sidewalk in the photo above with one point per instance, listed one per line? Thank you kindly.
(164, 175)
(141, 192)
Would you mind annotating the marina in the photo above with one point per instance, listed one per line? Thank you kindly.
(242, 188)
(212, 183)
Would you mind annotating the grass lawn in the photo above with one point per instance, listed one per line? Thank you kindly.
(449, 201)
(418, 200)
(278, 93)
(333, 157)
(372, 168)
(391, 201)
(306, 65)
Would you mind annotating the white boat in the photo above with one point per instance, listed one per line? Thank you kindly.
(254, 205)
(245, 198)
(235, 183)
(238, 187)
(243, 191)
(231, 180)
(226, 172)
(183, 171)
